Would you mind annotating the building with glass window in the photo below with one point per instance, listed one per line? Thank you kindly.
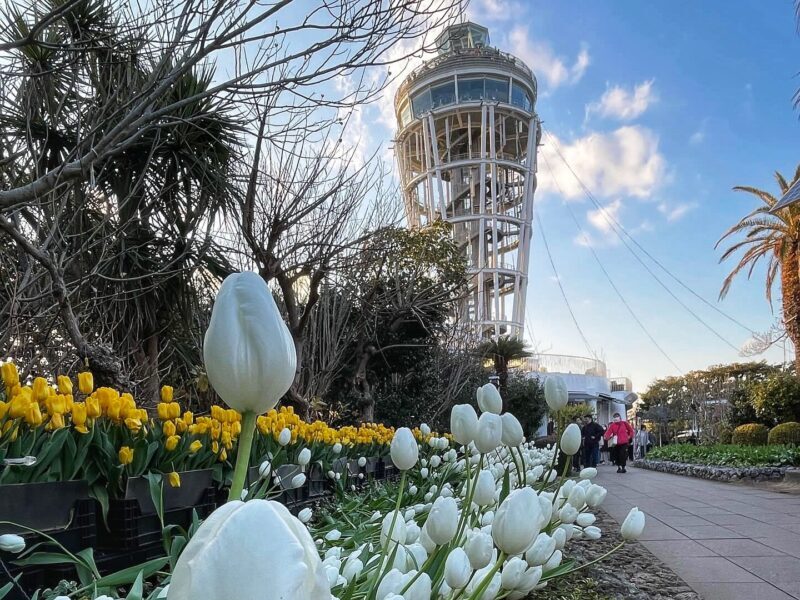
(466, 148)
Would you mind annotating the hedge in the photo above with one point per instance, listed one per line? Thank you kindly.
(785, 433)
(751, 434)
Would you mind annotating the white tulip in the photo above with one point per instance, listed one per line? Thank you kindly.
(398, 531)
(479, 549)
(403, 449)
(530, 579)
(541, 550)
(560, 537)
(512, 430)
(489, 399)
(484, 489)
(337, 448)
(588, 473)
(571, 440)
(463, 423)
(298, 481)
(423, 472)
(391, 583)
(595, 495)
(633, 525)
(516, 521)
(285, 436)
(577, 497)
(487, 518)
(568, 514)
(352, 569)
(412, 532)
(457, 569)
(333, 535)
(264, 469)
(555, 392)
(304, 457)
(412, 490)
(219, 561)
(12, 543)
(546, 506)
(592, 532)
(553, 562)
(362, 462)
(490, 432)
(512, 573)
(424, 429)
(305, 515)
(442, 521)
(435, 461)
(426, 540)
(585, 519)
(420, 589)
(248, 351)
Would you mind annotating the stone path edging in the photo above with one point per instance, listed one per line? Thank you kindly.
(715, 473)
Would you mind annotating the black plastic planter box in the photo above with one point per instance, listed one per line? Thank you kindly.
(133, 523)
(316, 481)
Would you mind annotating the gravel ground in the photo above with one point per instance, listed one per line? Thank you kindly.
(631, 573)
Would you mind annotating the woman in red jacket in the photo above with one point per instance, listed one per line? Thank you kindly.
(623, 432)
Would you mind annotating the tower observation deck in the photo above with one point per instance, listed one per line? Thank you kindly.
(466, 149)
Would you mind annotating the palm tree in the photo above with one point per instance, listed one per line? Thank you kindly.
(775, 238)
(503, 350)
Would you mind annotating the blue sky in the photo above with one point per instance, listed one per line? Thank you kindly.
(661, 108)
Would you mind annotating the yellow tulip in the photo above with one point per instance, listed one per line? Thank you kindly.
(33, 416)
(85, 382)
(40, 389)
(125, 455)
(3, 408)
(215, 446)
(188, 418)
(223, 456)
(195, 446)
(163, 411)
(10, 375)
(113, 409)
(134, 425)
(168, 428)
(64, 384)
(167, 393)
(93, 409)
(174, 410)
(174, 479)
(181, 425)
(79, 414)
(56, 405)
(128, 408)
(56, 421)
(172, 442)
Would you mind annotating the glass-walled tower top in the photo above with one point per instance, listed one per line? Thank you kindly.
(461, 36)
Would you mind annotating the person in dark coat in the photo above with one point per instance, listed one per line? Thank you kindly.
(592, 434)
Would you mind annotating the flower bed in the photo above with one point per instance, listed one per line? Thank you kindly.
(728, 455)
(712, 472)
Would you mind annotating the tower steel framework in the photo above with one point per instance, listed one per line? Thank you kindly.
(466, 148)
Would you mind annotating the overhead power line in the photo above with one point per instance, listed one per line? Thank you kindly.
(609, 278)
(561, 287)
(618, 227)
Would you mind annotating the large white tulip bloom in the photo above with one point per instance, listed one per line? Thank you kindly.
(478, 548)
(442, 521)
(555, 392)
(403, 449)
(633, 525)
(513, 435)
(571, 439)
(484, 489)
(463, 423)
(490, 432)
(541, 551)
(516, 522)
(220, 560)
(489, 399)
(248, 351)
(457, 569)
(12, 543)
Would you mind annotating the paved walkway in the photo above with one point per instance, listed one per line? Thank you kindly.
(727, 541)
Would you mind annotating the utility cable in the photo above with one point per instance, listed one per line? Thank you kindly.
(561, 287)
(616, 224)
(608, 276)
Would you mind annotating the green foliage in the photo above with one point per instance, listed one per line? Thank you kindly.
(729, 455)
(750, 434)
(725, 435)
(525, 400)
(777, 398)
(571, 588)
(570, 412)
(785, 433)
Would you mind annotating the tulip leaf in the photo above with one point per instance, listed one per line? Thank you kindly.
(129, 575)
(44, 558)
(506, 486)
(136, 589)
(155, 483)
(99, 492)
(7, 587)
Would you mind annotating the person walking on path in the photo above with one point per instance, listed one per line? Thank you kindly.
(619, 435)
(592, 433)
(642, 442)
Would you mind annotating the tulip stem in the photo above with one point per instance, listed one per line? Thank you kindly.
(243, 455)
(590, 563)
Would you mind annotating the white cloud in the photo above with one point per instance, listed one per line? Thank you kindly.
(488, 11)
(605, 217)
(541, 58)
(675, 212)
(699, 136)
(623, 162)
(619, 103)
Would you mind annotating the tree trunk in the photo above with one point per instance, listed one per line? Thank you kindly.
(790, 288)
